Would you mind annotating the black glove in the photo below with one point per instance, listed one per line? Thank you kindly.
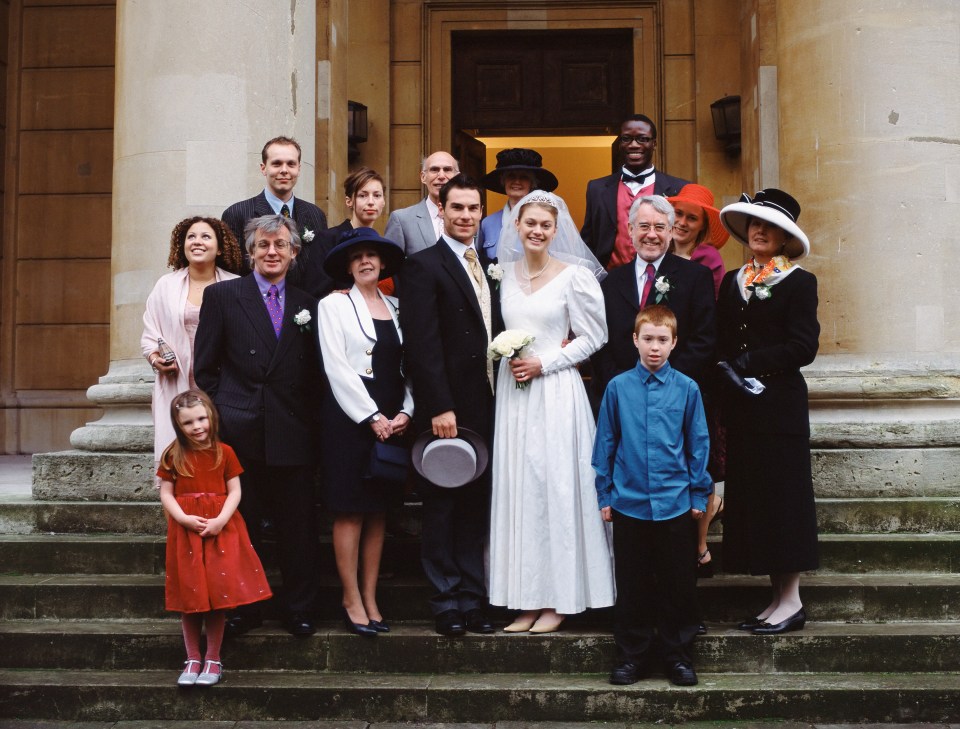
(730, 376)
(741, 363)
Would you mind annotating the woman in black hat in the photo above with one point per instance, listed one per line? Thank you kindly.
(518, 172)
(768, 330)
(367, 401)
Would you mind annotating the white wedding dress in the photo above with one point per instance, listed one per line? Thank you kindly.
(549, 547)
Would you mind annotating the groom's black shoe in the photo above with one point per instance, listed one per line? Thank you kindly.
(477, 622)
(450, 622)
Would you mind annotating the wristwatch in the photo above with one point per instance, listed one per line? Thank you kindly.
(373, 418)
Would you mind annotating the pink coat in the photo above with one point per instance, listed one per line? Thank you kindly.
(163, 317)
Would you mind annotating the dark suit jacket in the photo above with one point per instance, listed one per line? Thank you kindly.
(315, 280)
(773, 339)
(445, 341)
(599, 230)
(691, 300)
(265, 389)
(308, 217)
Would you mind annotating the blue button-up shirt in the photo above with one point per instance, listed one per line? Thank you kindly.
(652, 445)
(265, 285)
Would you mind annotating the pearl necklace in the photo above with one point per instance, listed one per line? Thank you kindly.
(538, 274)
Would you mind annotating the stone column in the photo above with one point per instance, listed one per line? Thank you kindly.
(199, 88)
(869, 115)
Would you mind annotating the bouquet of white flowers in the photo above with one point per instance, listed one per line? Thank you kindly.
(509, 343)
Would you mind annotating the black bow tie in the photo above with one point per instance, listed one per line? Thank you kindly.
(638, 178)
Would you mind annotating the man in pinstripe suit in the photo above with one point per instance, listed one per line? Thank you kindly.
(281, 169)
(260, 367)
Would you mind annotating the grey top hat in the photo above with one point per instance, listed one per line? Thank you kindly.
(450, 462)
(520, 159)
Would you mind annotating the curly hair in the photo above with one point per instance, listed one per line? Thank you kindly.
(230, 258)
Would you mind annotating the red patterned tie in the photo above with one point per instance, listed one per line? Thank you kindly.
(651, 272)
(274, 309)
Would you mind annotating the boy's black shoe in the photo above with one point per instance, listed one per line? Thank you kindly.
(682, 674)
(450, 622)
(627, 673)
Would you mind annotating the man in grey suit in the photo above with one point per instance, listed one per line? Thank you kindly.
(280, 167)
(419, 226)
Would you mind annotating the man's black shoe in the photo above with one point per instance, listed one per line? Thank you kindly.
(240, 624)
(299, 625)
(682, 674)
(476, 621)
(450, 622)
(626, 673)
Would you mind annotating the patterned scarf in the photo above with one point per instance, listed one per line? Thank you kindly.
(756, 279)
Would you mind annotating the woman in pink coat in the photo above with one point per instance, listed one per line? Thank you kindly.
(202, 251)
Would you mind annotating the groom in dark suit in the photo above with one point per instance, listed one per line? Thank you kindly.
(256, 358)
(657, 277)
(280, 167)
(450, 312)
(609, 198)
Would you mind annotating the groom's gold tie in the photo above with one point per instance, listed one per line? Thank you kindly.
(474, 265)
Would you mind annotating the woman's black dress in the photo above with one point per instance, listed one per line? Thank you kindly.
(346, 445)
(770, 518)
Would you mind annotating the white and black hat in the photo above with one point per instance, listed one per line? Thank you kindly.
(775, 207)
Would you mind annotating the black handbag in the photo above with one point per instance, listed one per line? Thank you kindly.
(388, 462)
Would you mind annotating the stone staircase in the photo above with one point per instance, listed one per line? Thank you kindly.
(84, 637)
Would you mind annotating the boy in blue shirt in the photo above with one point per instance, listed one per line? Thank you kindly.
(650, 456)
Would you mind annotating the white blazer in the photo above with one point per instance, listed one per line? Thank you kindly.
(347, 337)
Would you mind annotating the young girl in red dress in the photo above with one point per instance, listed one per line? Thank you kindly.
(211, 564)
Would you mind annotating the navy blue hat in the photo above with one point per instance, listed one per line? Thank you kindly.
(337, 260)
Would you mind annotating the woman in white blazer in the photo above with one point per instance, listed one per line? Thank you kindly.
(367, 400)
(202, 251)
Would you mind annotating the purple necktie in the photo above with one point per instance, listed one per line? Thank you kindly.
(648, 284)
(274, 309)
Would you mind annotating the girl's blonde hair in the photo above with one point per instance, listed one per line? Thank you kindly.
(174, 458)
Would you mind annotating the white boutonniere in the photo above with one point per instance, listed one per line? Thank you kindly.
(762, 291)
(302, 319)
(663, 287)
(308, 236)
(495, 273)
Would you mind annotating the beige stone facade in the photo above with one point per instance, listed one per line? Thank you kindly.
(123, 118)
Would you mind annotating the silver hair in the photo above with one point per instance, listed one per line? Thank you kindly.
(658, 203)
(271, 224)
(423, 161)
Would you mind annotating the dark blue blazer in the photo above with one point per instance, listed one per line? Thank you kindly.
(445, 341)
(308, 217)
(265, 389)
(690, 299)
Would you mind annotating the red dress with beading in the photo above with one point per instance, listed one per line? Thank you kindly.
(210, 573)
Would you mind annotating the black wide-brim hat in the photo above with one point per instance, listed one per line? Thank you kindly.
(450, 462)
(520, 159)
(337, 260)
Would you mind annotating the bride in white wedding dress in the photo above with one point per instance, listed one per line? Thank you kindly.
(550, 551)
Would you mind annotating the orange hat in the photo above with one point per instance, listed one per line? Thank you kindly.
(700, 195)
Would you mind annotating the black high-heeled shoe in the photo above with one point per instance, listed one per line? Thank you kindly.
(357, 628)
(749, 623)
(380, 626)
(794, 622)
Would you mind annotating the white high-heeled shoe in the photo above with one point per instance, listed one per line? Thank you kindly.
(188, 677)
(208, 677)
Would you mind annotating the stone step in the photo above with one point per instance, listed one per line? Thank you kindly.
(414, 647)
(288, 695)
(144, 554)
(23, 515)
(875, 597)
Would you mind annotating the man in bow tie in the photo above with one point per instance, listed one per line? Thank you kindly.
(609, 198)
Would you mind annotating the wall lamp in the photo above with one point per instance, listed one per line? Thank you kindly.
(356, 128)
(726, 123)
